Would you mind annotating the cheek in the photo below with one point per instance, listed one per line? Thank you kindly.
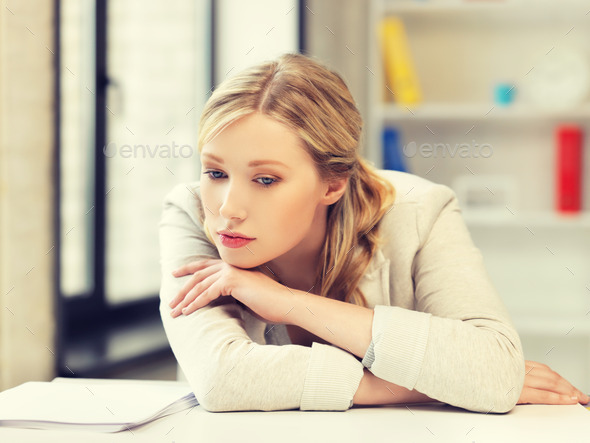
(210, 206)
(209, 199)
(292, 215)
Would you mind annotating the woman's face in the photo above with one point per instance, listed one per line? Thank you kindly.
(259, 182)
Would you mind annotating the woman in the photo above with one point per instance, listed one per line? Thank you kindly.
(295, 275)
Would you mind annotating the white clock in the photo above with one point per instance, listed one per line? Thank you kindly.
(559, 80)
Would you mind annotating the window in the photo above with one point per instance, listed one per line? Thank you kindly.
(133, 78)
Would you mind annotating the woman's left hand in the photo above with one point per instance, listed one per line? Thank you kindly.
(542, 385)
(212, 278)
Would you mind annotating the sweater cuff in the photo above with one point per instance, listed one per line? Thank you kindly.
(398, 344)
(333, 377)
(369, 357)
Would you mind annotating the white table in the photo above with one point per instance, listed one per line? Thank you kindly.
(412, 423)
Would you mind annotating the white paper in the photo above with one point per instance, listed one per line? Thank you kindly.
(102, 406)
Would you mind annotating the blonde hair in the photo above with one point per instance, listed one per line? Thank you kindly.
(315, 103)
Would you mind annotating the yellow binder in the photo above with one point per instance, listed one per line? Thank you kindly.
(399, 69)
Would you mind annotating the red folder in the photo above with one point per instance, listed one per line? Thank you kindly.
(569, 168)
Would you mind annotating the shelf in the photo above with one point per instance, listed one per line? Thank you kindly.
(520, 10)
(452, 6)
(487, 111)
(512, 218)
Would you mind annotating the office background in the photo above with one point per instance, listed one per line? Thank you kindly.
(99, 106)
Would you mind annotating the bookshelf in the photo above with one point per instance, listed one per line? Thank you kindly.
(542, 219)
(478, 111)
(537, 258)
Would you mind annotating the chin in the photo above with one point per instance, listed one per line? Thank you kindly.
(239, 262)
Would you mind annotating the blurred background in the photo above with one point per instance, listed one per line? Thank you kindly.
(99, 106)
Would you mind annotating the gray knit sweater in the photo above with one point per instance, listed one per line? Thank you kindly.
(439, 326)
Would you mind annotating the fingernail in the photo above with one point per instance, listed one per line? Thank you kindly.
(574, 398)
(174, 312)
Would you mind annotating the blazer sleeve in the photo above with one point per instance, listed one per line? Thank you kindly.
(226, 369)
(459, 345)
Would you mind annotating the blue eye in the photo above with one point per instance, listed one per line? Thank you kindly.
(213, 175)
(266, 181)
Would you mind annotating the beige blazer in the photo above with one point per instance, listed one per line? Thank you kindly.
(439, 326)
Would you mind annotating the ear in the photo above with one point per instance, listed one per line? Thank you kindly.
(335, 189)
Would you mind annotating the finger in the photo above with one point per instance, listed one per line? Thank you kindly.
(540, 370)
(545, 372)
(582, 397)
(540, 396)
(202, 300)
(192, 267)
(195, 298)
(196, 304)
(535, 366)
(550, 380)
(191, 282)
(565, 385)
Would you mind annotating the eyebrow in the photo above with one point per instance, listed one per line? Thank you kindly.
(251, 164)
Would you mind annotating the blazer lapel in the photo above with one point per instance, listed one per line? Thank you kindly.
(375, 282)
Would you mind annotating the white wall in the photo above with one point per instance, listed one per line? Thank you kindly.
(251, 32)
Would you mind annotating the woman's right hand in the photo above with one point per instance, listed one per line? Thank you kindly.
(545, 386)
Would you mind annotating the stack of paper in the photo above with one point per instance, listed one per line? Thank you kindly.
(103, 407)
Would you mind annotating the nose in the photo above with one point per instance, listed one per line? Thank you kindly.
(233, 206)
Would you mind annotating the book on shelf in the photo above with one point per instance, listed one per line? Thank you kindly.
(569, 168)
(400, 73)
(393, 153)
(100, 407)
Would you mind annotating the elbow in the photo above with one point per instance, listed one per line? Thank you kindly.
(502, 402)
(505, 382)
(212, 403)
(509, 391)
(209, 390)
(216, 392)
(209, 396)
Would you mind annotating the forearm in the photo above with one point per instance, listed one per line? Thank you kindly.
(349, 327)
(375, 391)
(345, 325)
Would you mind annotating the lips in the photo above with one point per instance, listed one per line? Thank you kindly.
(234, 234)
(234, 239)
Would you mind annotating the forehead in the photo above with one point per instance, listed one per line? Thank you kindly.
(255, 135)
(252, 163)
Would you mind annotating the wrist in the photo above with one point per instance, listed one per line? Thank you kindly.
(374, 391)
(363, 394)
(290, 301)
